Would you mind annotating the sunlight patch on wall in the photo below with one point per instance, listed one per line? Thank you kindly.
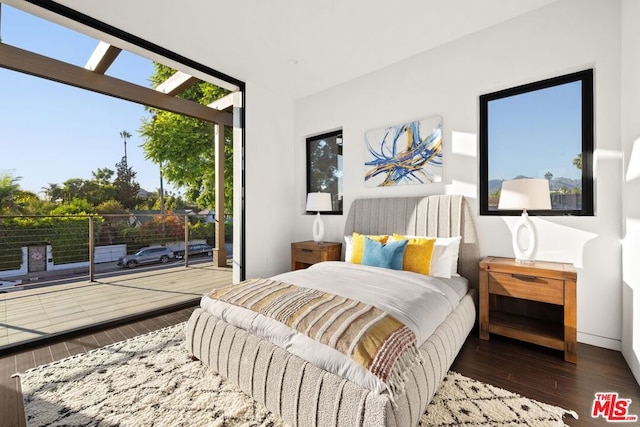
(602, 154)
(631, 271)
(633, 169)
(464, 149)
(631, 248)
(467, 189)
(557, 242)
(464, 144)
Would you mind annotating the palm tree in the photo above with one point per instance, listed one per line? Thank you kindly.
(124, 135)
(577, 162)
(53, 192)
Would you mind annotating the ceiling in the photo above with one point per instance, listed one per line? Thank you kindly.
(297, 47)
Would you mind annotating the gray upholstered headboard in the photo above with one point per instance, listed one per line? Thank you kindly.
(438, 216)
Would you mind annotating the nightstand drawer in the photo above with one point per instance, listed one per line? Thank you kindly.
(309, 255)
(304, 254)
(527, 287)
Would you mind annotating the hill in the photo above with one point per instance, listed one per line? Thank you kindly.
(554, 185)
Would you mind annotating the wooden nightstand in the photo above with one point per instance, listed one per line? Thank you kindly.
(303, 254)
(533, 302)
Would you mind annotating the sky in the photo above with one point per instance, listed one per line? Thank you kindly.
(50, 132)
(552, 124)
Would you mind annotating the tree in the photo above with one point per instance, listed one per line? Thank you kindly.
(94, 191)
(324, 166)
(9, 188)
(494, 197)
(103, 189)
(124, 135)
(103, 176)
(31, 204)
(577, 162)
(76, 206)
(184, 145)
(169, 226)
(548, 176)
(126, 187)
(110, 207)
(53, 192)
(173, 202)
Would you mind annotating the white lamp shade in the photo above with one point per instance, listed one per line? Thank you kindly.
(525, 193)
(319, 202)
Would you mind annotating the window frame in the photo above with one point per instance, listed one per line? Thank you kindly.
(588, 135)
(309, 140)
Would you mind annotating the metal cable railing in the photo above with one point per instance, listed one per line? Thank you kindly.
(31, 245)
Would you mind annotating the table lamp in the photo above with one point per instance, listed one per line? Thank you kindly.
(525, 193)
(318, 202)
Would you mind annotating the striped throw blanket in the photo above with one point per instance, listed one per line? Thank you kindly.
(368, 335)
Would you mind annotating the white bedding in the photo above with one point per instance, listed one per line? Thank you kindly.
(420, 302)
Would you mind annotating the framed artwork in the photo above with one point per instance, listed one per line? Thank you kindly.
(406, 153)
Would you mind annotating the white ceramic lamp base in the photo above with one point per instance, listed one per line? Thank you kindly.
(318, 229)
(524, 254)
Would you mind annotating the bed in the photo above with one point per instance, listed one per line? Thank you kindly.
(304, 394)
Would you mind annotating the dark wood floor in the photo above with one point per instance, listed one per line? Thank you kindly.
(541, 374)
(528, 370)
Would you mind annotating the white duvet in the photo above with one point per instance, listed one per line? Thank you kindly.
(420, 302)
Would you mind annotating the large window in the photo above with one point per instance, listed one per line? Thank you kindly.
(540, 130)
(324, 167)
(41, 66)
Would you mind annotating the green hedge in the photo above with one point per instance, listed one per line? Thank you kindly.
(68, 237)
(206, 230)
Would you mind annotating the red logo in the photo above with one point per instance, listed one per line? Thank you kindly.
(612, 408)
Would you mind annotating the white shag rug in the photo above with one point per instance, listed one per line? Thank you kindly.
(150, 380)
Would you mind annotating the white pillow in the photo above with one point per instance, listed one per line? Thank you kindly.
(444, 260)
(348, 240)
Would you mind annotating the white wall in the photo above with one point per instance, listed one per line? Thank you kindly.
(563, 37)
(269, 182)
(631, 186)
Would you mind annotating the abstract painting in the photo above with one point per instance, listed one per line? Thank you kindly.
(408, 153)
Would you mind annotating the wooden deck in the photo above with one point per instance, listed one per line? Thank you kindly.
(33, 314)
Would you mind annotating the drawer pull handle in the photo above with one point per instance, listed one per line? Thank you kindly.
(307, 250)
(524, 278)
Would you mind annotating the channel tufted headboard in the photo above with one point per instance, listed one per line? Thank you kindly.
(438, 216)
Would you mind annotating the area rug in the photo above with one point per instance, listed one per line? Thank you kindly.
(150, 380)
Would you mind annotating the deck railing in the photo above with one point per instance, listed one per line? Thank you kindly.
(30, 245)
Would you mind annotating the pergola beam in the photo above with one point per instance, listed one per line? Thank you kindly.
(102, 58)
(34, 64)
(223, 104)
(177, 83)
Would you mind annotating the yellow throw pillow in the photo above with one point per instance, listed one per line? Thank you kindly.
(417, 255)
(358, 245)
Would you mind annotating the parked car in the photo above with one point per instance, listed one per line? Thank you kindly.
(9, 286)
(195, 250)
(148, 255)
